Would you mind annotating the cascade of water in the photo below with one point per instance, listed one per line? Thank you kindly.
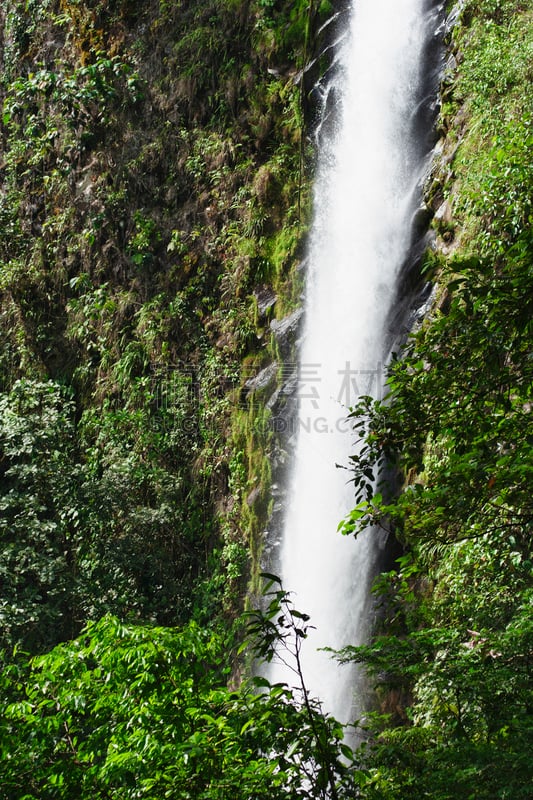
(371, 163)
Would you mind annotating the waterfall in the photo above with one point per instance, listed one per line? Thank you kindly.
(372, 159)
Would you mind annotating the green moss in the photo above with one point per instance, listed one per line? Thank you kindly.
(494, 157)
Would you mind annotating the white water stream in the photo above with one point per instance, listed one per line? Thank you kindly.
(367, 188)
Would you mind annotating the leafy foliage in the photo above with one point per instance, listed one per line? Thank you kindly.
(135, 712)
(96, 517)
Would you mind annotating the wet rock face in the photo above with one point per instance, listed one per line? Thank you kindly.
(284, 408)
(283, 403)
(278, 385)
(444, 213)
(263, 381)
(265, 298)
(285, 331)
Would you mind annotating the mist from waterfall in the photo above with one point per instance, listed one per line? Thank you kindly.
(372, 158)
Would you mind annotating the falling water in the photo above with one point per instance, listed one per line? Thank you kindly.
(371, 165)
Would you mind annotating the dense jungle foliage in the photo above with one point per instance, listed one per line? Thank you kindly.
(154, 174)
